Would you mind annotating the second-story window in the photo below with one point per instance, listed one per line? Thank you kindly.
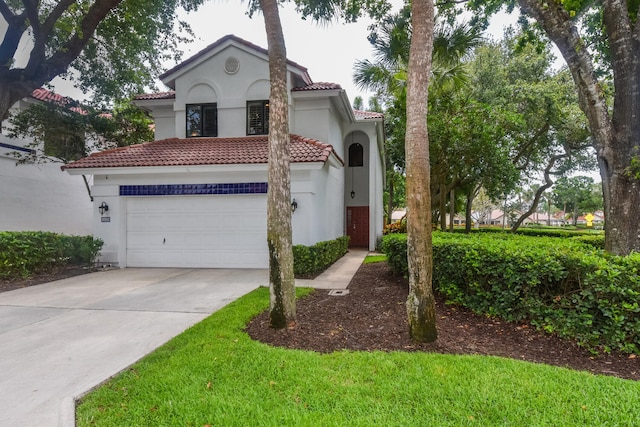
(202, 120)
(257, 117)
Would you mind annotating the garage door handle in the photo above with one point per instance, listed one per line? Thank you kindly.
(164, 241)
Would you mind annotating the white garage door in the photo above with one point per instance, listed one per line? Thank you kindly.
(216, 231)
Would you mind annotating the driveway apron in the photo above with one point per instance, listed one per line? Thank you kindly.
(60, 339)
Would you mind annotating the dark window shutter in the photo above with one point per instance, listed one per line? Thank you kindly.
(210, 123)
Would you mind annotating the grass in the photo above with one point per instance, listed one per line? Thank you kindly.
(370, 259)
(214, 374)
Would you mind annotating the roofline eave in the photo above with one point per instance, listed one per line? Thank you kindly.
(147, 170)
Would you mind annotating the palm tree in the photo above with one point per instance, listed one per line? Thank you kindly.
(421, 311)
(279, 235)
(391, 40)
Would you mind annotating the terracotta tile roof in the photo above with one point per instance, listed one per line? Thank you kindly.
(203, 151)
(42, 94)
(158, 95)
(317, 86)
(364, 115)
(220, 41)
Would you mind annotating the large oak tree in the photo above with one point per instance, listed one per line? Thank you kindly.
(616, 130)
(116, 47)
(600, 42)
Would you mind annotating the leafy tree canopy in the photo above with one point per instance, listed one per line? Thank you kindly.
(116, 46)
(67, 131)
(578, 195)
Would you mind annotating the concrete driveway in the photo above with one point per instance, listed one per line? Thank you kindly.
(60, 339)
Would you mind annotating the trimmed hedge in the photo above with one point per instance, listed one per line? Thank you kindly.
(25, 253)
(310, 260)
(394, 246)
(562, 286)
(563, 232)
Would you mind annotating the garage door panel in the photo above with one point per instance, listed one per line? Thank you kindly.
(214, 231)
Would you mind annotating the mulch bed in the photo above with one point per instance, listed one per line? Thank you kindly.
(372, 316)
(43, 277)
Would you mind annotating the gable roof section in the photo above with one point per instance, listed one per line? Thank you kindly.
(203, 151)
(169, 76)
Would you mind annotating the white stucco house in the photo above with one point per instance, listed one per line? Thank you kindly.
(39, 196)
(197, 195)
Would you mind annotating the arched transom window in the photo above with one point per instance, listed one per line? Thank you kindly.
(356, 155)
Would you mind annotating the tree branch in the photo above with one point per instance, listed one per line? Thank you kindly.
(16, 25)
(7, 14)
(60, 61)
(448, 2)
(39, 39)
(548, 183)
(55, 14)
(557, 24)
(524, 150)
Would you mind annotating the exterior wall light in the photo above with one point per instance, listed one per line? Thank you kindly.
(103, 208)
(353, 194)
(294, 205)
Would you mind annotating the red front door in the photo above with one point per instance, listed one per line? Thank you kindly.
(358, 226)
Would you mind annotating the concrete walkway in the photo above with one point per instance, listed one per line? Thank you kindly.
(338, 275)
(63, 338)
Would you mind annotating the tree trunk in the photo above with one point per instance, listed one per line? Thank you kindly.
(390, 201)
(548, 183)
(617, 136)
(443, 207)
(281, 279)
(420, 302)
(452, 209)
(467, 212)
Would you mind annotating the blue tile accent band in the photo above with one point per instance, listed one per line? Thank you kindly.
(191, 189)
(17, 148)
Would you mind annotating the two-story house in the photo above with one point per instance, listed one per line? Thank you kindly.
(196, 196)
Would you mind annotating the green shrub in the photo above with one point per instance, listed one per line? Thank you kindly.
(395, 227)
(563, 286)
(394, 246)
(310, 260)
(595, 240)
(556, 232)
(23, 254)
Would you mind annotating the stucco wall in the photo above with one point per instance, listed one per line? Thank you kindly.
(41, 197)
(313, 221)
(209, 82)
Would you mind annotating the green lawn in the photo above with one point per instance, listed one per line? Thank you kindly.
(370, 259)
(214, 374)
